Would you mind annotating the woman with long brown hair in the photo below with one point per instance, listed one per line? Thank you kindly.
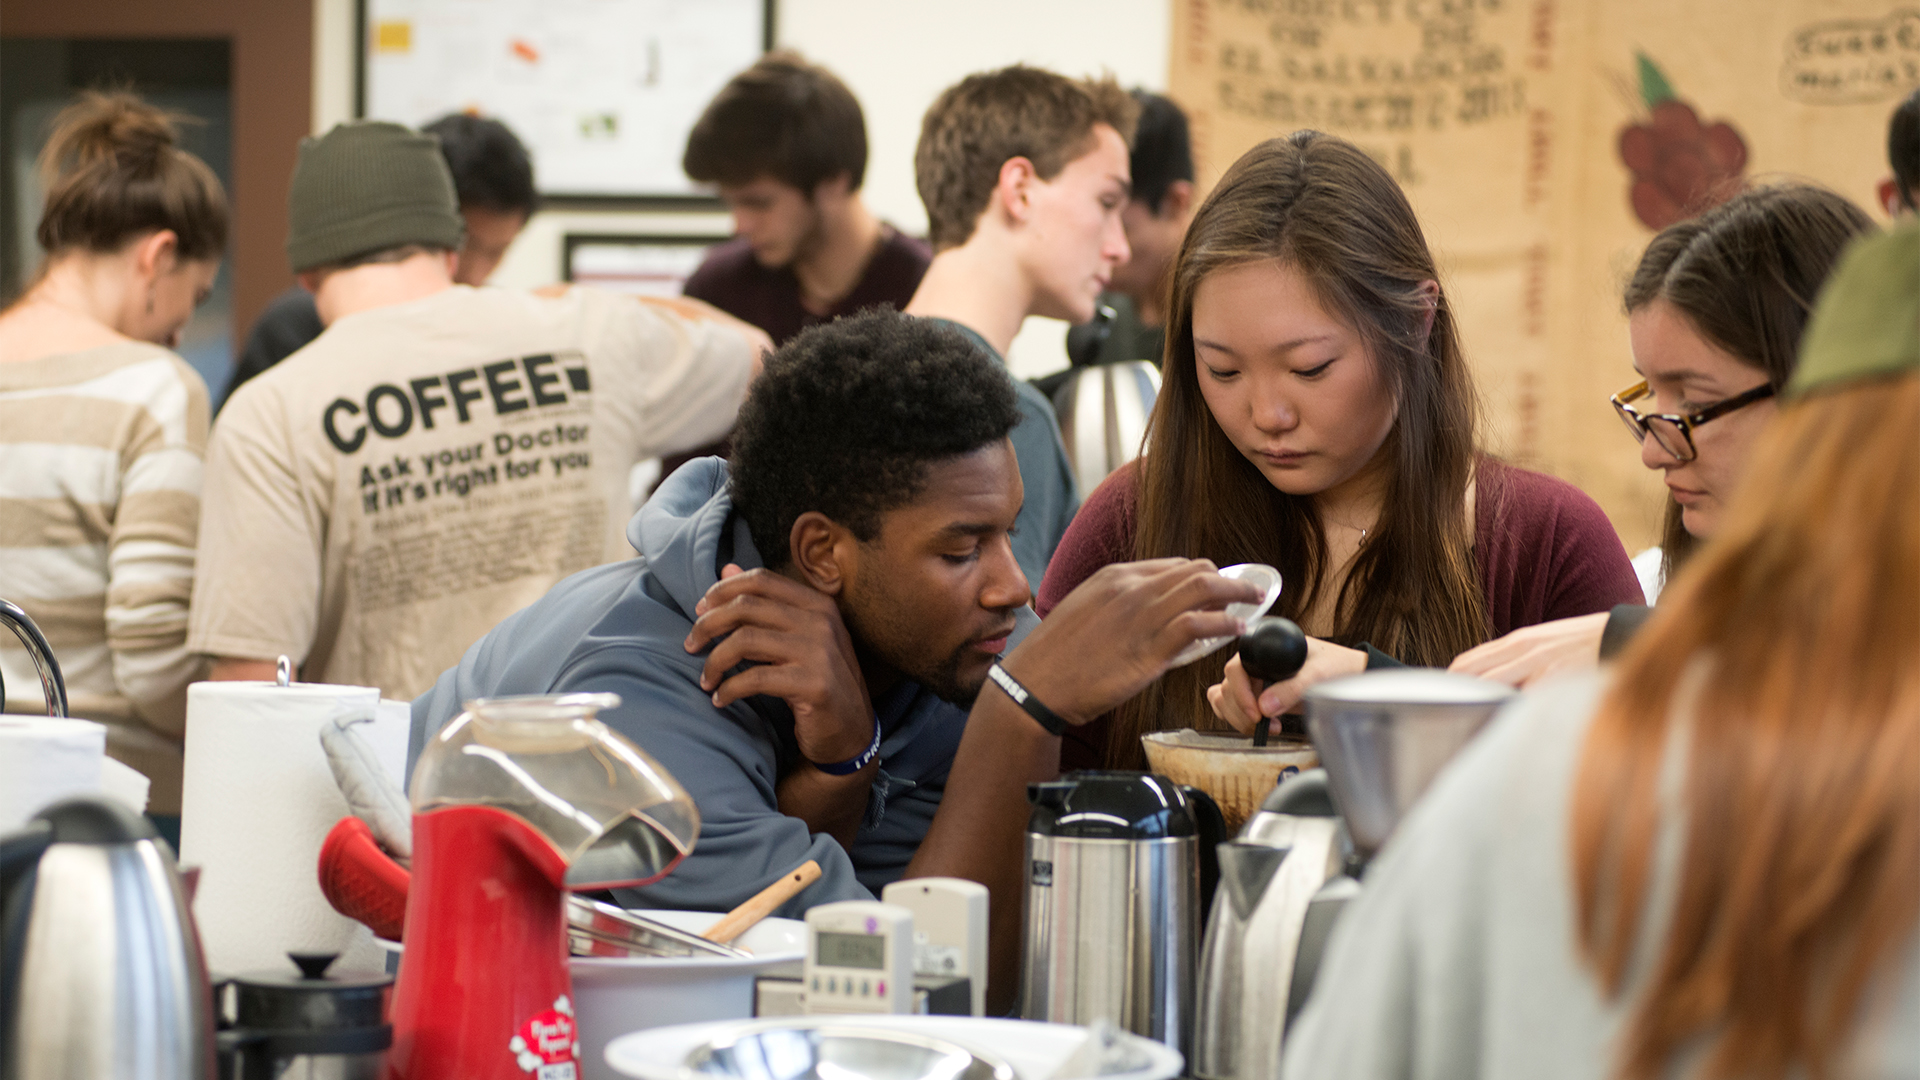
(102, 427)
(1317, 415)
(1715, 311)
(1709, 864)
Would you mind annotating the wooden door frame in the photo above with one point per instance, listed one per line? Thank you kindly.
(272, 107)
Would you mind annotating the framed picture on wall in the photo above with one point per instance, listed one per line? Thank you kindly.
(602, 92)
(639, 265)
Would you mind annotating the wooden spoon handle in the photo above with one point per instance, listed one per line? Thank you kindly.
(741, 919)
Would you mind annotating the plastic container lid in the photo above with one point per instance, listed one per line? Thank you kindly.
(286, 1014)
(1260, 574)
(1111, 806)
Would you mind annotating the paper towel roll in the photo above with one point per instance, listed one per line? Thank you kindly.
(126, 783)
(43, 759)
(257, 800)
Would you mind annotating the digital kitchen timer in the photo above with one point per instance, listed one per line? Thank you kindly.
(859, 958)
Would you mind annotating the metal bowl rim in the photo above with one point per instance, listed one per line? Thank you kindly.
(1001, 1069)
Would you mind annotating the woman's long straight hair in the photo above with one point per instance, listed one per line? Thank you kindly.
(1322, 207)
(1794, 632)
(1745, 275)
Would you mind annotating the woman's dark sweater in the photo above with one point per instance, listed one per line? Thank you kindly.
(1543, 549)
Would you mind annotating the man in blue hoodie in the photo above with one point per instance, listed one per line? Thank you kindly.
(804, 639)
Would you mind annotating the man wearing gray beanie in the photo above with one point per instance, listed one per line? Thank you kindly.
(441, 455)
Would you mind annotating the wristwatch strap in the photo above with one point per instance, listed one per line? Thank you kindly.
(859, 761)
(1024, 698)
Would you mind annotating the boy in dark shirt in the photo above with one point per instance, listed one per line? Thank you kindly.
(786, 144)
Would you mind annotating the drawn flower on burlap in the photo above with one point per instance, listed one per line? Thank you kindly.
(1680, 166)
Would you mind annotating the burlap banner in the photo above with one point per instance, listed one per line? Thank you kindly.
(1542, 143)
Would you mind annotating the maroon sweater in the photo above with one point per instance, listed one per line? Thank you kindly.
(1544, 551)
(731, 279)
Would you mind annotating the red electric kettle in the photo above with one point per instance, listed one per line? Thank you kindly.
(515, 802)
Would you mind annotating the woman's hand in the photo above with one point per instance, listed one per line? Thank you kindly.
(1532, 653)
(1233, 699)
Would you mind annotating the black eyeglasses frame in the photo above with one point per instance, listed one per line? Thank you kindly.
(1641, 425)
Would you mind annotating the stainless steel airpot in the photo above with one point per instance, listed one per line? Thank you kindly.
(1117, 864)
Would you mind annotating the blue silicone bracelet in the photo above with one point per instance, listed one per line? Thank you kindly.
(855, 764)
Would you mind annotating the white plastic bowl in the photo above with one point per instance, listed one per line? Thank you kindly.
(614, 996)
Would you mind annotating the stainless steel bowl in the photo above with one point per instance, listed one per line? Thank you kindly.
(838, 1052)
(1384, 735)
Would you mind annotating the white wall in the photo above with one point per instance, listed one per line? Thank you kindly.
(896, 55)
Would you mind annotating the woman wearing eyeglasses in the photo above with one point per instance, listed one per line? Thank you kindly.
(1714, 317)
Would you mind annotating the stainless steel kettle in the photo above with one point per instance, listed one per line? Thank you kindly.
(1117, 864)
(52, 686)
(1269, 876)
(102, 972)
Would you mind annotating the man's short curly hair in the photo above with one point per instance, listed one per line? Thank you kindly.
(847, 418)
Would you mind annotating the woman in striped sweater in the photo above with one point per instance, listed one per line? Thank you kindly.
(102, 428)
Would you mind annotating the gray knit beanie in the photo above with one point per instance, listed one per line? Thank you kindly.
(368, 186)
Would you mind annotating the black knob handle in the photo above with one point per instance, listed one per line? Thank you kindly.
(1273, 649)
(313, 965)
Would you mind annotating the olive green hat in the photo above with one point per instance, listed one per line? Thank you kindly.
(368, 186)
(1867, 321)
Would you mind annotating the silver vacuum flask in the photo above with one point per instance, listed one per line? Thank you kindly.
(1116, 865)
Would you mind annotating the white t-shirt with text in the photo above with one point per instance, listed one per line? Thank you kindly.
(382, 498)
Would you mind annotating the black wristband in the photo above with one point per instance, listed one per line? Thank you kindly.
(1024, 698)
(856, 763)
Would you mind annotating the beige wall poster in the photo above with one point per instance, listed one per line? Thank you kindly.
(1543, 142)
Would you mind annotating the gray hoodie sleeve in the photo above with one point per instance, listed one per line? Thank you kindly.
(726, 759)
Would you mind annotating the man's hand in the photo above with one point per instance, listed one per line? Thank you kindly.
(1233, 700)
(1532, 653)
(1106, 641)
(800, 651)
(1120, 629)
